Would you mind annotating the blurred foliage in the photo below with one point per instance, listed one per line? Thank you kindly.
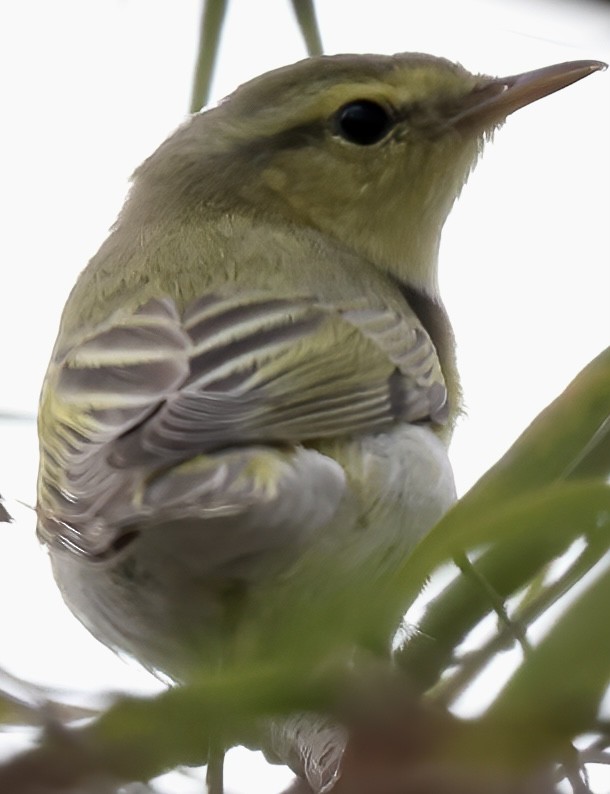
(213, 14)
(524, 513)
(516, 521)
(212, 18)
(4, 514)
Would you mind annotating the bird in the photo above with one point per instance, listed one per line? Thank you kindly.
(247, 410)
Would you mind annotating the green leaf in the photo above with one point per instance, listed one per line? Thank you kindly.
(137, 739)
(552, 449)
(557, 693)
(541, 523)
(521, 515)
(524, 535)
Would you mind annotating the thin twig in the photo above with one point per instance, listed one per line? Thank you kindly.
(572, 768)
(595, 757)
(471, 665)
(305, 13)
(214, 777)
(212, 18)
(512, 627)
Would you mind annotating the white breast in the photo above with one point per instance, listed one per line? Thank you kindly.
(333, 510)
(402, 484)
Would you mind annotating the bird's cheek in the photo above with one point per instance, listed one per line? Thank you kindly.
(319, 190)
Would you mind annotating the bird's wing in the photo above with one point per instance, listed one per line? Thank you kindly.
(155, 388)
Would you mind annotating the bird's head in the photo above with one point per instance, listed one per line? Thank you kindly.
(372, 150)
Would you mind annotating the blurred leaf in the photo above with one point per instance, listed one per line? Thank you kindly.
(137, 739)
(401, 744)
(525, 531)
(212, 18)
(23, 703)
(595, 459)
(8, 714)
(528, 532)
(305, 13)
(530, 608)
(557, 693)
(549, 451)
(213, 14)
(4, 514)
(522, 514)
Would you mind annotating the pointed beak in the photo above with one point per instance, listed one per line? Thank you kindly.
(496, 98)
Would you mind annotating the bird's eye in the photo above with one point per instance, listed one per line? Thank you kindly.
(362, 122)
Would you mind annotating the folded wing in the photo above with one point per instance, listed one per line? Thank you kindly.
(154, 389)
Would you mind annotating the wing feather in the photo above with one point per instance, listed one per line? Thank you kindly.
(156, 388)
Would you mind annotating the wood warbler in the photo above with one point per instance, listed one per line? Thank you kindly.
(247, 410)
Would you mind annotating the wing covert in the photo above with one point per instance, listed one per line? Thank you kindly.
(156, 387)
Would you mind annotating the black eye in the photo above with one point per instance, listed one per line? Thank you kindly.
(362, 122)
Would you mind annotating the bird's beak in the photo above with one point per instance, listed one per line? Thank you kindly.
(496, 98)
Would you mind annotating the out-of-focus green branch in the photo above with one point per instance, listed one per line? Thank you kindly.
(212, 18)
(213, 14)
(529, 610)
(306, 17)
(549, 490)
(523, 513)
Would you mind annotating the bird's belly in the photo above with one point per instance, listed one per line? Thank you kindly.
(400, 482)
(180, 589)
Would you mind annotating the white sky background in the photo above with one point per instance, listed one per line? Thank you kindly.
(91, 87)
